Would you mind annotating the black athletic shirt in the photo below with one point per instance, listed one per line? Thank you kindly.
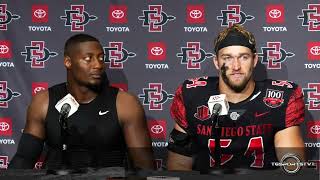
(247, 133)
(95, 137)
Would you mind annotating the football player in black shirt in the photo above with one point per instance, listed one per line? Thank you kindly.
(108, 124)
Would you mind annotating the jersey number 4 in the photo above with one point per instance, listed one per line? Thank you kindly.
(254, 148)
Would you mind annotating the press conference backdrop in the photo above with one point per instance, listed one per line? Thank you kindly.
(151, 47)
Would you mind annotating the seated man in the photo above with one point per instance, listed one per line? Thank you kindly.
(261, 127)
(108, 123)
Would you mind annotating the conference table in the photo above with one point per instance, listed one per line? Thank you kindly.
(116, 173)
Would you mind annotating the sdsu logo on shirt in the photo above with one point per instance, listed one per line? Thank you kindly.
(273, 98)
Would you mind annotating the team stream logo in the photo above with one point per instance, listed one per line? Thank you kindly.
(155, 96)
(193, 55)
(77, 18)
(154, 18)
(311, 17)
(273, 55)
(233, 15)
(6, 17)
(118, 15)
(6, 130)
(40, 15)
(312, 96)
(6, 94)
(195, 14)
(274, 15)
(37, 54)
(116, 55)
(292, 164)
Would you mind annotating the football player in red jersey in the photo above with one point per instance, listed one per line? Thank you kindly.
(262, 125)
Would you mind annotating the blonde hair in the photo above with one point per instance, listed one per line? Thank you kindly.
(235, 28)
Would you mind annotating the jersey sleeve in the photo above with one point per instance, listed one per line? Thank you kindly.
(295, 108)
(178, 110)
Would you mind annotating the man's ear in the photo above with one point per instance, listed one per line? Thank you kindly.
(67, 62)
(255, 59)
(215, 62)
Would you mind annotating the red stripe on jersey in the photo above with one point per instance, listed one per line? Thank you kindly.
(178, 110)
(295, 108)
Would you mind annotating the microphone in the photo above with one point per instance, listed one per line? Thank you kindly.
(67, 106)
(65, 109)
(216, 109)
(218, 105)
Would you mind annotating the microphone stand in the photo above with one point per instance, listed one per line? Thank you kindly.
(63, 134)
(62, 168)
(217, 149)
(216, 136)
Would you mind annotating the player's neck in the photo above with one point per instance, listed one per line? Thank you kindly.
(235, 97)
(82, 94)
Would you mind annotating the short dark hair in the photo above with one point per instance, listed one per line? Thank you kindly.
(76, 39)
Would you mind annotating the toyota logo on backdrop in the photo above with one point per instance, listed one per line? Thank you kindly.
(315, 50)
(315, 129)
(4, 126)
(275, 13)
(157, 129)
(118, 14)
(4, 49)
(40, 13)
(195, 14)
(156, 51)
